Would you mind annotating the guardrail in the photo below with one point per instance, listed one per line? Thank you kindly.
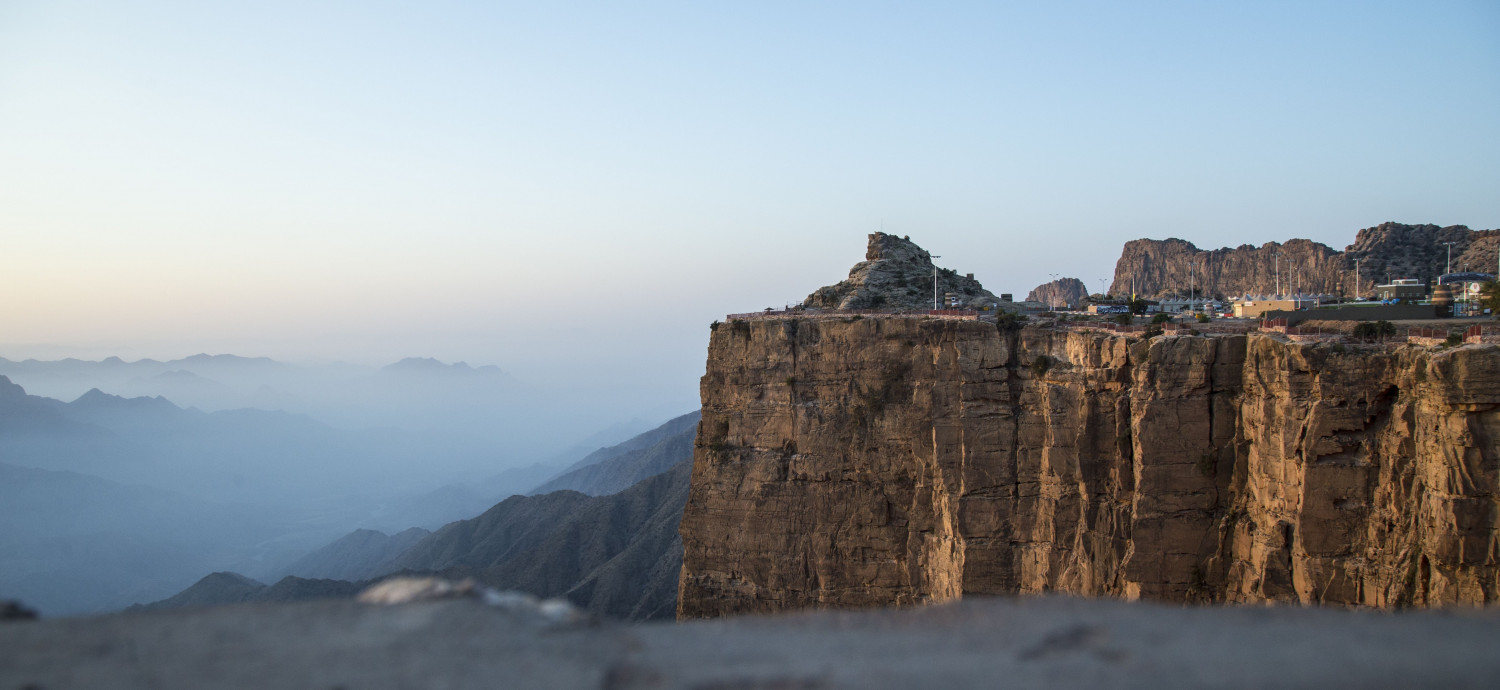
(1480, 333)
(955, 314)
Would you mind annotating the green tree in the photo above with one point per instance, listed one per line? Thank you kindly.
(1137, 306)
(1489, 296)
(1008, 321)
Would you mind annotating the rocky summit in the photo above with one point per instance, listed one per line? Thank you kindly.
(898, 275)
(1061, 293)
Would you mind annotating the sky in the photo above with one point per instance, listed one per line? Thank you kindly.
(574, 191)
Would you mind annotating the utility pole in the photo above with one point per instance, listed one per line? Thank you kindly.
(934, 282)
(1356, 279)
(1449, 268)
(1052, 292)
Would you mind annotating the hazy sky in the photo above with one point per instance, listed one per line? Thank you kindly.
(574, 191)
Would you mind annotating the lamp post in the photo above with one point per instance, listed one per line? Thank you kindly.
(1276, 263)
(1449, 268)
(1052, 292)
(934, 282)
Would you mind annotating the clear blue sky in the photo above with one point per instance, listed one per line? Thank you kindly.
(581, 188)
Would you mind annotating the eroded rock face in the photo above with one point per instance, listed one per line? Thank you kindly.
(1156, 268)
(897, 274)
(887, 461)
(1062, 293)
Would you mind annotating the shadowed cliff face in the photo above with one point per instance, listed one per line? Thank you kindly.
(897, 461)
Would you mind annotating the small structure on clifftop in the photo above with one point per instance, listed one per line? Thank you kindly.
(897, 274)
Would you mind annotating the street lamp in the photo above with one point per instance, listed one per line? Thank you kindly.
(1449, 268)
(934, 282)
(1276, 261)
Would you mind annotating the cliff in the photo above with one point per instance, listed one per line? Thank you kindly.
(882, 461)
(897, 274)
(1063, 292)
(1155, 268)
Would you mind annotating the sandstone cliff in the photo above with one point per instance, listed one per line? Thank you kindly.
(897, 274)
(1391, 250)
(882, 461)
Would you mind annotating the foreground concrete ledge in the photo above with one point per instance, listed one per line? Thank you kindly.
(979, 643)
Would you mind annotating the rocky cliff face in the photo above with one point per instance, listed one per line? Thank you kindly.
(1156, 268)
(887, 461)
(1063, 292)
(897, 274)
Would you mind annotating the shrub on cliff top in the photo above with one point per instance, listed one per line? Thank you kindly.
(1009, 321)
(1367, 330)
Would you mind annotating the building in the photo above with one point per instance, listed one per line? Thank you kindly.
(1402, 290)
(1174, 305)
(1466, 287)
(1253, 307)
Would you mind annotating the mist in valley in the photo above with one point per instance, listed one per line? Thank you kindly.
(123, 482)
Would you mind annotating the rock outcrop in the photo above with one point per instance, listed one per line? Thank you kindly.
(897, 274)
(1061, 293)
(1155, 268)
(891, 461)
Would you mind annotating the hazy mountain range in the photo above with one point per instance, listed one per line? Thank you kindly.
(616, 554)
(107, 501)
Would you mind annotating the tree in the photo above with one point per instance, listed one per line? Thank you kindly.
(1137, 306)
(1124, 319)
(1009, 321)
(1489, 296)
(1366, 330)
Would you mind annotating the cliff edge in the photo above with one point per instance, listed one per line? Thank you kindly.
(890, 461)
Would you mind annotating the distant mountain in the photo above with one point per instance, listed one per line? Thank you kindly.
(428, 365)
(222, 588)
(72, 543)
(617, 555)
(1063, 293)
(106, 501)
(29, 415)
(356, 555)
(613, 469)
(1158, 268)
